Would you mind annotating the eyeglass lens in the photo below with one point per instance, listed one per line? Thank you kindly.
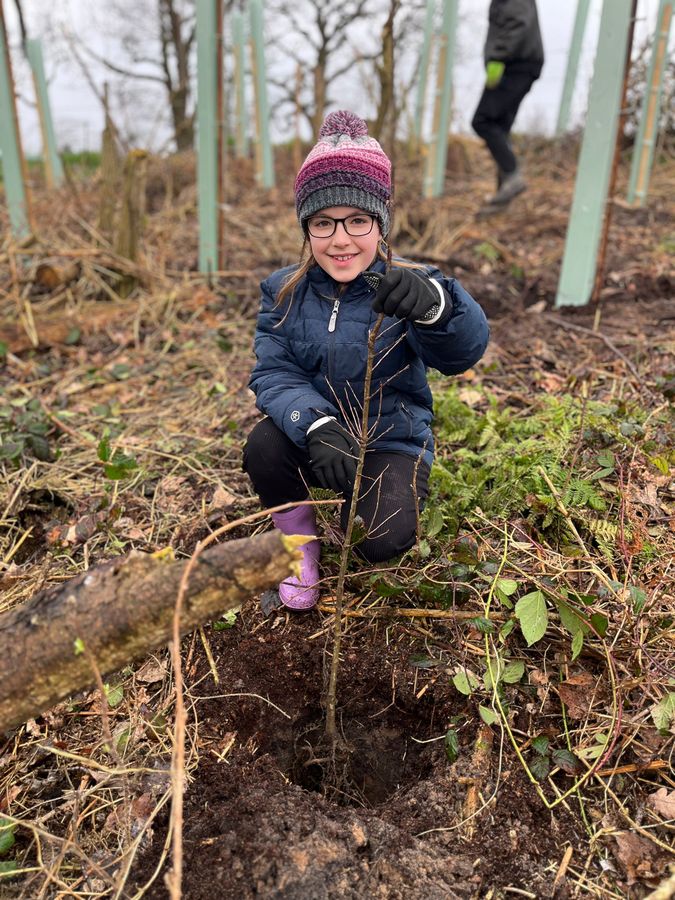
(356, 225)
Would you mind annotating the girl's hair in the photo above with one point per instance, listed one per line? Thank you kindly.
(307, 261)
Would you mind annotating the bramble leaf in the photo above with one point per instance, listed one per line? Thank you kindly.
(532, 614)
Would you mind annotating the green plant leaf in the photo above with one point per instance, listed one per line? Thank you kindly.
(532, 614)
(663, 712)
(7, 868)
(507, 586)
(436, 522)
(114, 694)
(639, 598)
(513, 671)
(119, 466)
(600, 623)
(577, 644)
(424, 549)
(570, 619)
(122, 739)
(494, 670)
(382, 589)
(451, 744)
(567, 761)
(485, 626)
(540, 767)
(104, 452)
(7, 830)
(540, 744)
(40, 447)
(465, 682)
(506, 629)
(488, 715)
(227, 620)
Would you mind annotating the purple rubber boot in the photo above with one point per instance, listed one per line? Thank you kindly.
(301, 593)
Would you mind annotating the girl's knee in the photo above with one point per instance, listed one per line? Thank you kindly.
(387, 546)
(264, 447)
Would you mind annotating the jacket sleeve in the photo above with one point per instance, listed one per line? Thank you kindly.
(283, 389)
(514, 19)
(457, 342)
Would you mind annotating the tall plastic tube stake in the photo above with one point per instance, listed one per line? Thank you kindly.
(433, 183)
(266, 168)
(53, 165)
(595, 160)
(424, 70)
(239, 42)
(572, 66)
(645, 143)
(207, 134)
(10, 145)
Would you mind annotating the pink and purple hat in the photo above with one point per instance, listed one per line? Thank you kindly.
(345, 168)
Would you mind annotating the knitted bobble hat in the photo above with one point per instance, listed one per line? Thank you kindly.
(345, 168)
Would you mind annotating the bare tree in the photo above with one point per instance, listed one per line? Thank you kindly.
(319, 36)
(400, 37)
(152, 41)
(359, 50)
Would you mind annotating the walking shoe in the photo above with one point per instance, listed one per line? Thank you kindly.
(511, 185)
(302, 592)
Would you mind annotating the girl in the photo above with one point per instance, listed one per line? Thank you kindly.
(311, 350)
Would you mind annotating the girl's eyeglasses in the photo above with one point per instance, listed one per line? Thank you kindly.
(356, 225)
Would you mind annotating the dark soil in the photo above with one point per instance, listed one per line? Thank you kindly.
(258, 824)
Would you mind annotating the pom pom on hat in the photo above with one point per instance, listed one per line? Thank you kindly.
(343, 122)
(345, 168)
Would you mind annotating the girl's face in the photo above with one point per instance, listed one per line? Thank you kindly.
(341, 255)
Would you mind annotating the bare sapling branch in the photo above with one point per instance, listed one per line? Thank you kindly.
(331, 694)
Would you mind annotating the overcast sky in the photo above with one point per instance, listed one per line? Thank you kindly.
(78, 118)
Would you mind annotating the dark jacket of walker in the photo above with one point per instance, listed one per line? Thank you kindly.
(311, 359)
(513, 35)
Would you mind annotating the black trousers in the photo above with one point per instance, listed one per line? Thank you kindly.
(496, 113)
(387, 503)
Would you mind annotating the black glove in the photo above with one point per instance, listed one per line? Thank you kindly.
(333, 454)
(406, 295)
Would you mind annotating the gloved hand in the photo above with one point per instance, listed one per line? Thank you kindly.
(333, 455)
(406, 295)
(493, 73)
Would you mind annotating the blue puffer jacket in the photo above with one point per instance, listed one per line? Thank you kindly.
(309, 366)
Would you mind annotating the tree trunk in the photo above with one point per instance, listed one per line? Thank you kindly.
(119, 612)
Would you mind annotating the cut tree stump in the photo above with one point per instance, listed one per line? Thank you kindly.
(119, 612)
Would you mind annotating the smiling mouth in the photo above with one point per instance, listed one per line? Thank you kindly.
(344, 258)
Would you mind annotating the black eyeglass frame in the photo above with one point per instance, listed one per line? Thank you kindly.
(343, 222)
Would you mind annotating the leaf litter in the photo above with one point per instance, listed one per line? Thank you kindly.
(121, 426)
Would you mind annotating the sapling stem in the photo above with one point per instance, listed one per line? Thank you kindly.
(331, 693)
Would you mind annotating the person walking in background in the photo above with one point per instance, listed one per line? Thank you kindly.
(514, 56)
(311, 346)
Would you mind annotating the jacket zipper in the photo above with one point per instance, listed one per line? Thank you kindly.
(333, 316)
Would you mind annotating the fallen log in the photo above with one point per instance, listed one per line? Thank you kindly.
(119, 612)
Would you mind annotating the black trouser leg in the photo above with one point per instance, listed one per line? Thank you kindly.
(387, 504)
(496, 113)
(278, 468)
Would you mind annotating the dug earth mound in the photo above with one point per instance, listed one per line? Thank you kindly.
(405, 821)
